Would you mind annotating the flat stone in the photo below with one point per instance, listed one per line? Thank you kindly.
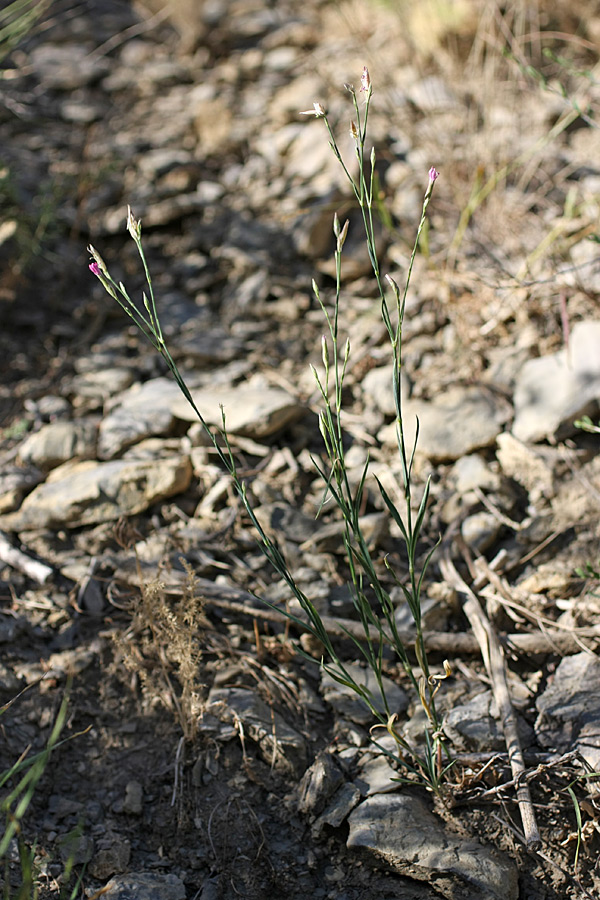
(309, 157)
(15, 481)
(134, 798)
(86, 493)
(481, 530)
(349, 705)
(144, 886)
(142, 411)
(111, 857)
(102, 383)
(318, 783)
(377, 386)
(279, 519)
(553, 391)
(525, 466)
(376, 776)
(576, 499)
(341, 805)
(251, 412)
(474, 725)
(400, 830)
(459, 421)
(75, 848)
(570, 710)
(279, 743)
(58, 442)
(472, 471)
(64, 68)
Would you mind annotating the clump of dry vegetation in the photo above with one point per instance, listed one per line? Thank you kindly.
(162, 645)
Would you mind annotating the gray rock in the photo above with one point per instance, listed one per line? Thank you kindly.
(102, 383)
(318, 783)
(134, 797)
(377, 386)
(280, 744)
(49, 407)
(473, 725)
(86, 493)
(111, 857)
(281, 520)
(90, 595)
(570, 710)
(349, 705)
(329, 538)
(140, 412)
(309, 157)
(459, 421)
(400, 830)
(341, 805)
(58, 442)
(75, 848)
(481, 530)
(65, 68)
(249, 411)
(14, 483)
(554, 390)
(525, 466)
(376, 776)
(576, 498)
(144, 886)
(472, 471)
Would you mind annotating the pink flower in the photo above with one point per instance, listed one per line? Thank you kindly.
(433, 175)
(94, 269)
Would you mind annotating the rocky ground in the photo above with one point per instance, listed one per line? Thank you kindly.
(207, 758)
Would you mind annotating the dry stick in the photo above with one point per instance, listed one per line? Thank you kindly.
(18, 560)
(493, 657)
(242, 603)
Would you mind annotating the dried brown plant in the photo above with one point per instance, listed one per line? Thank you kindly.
(162, 647)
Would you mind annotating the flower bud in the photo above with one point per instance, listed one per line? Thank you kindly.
(393, 284)
(365, 80)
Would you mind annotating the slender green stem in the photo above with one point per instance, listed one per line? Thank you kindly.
(371, 599)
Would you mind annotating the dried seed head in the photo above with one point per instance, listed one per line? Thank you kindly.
(134, 226)
(99, 264)
(353, 130)
(341, 237)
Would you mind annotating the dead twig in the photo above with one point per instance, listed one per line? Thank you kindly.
(241, 603)
(18, 560)
(493, 658)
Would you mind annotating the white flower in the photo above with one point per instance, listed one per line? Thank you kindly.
(318, 111)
